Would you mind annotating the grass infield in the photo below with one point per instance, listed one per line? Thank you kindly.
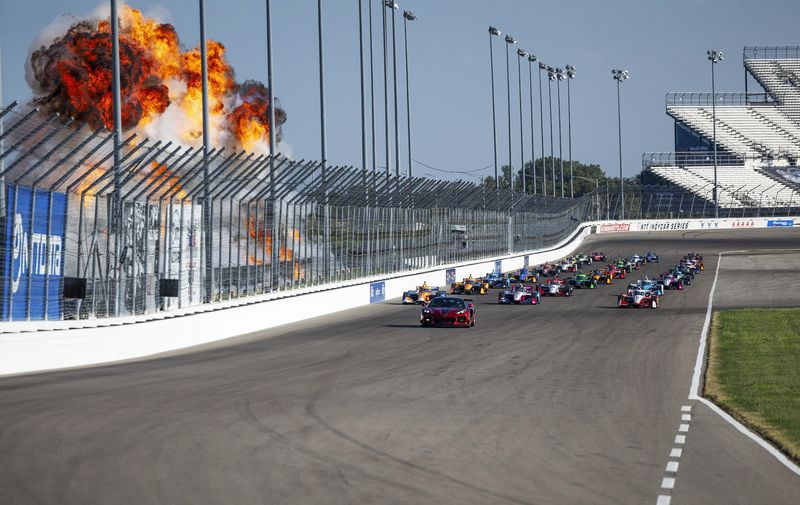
(754, 371)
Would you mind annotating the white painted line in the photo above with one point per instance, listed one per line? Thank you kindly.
(683, 428)
(672, 466)
(680, 439)
(668, 483)
(686, 408)
(686, 417)
(694, 391)
(663, 499)
(675, 453)
(752, 436)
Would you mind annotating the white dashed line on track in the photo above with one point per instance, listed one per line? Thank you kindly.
(671, 470)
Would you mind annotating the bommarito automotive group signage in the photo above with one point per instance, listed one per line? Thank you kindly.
(33, 248)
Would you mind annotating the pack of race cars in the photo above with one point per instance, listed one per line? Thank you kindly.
(580, 272)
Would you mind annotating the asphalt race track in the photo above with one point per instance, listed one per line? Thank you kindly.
(570, 402)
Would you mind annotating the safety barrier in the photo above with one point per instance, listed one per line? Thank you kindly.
(28, 348)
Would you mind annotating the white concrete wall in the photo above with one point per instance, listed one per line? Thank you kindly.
(30, 347)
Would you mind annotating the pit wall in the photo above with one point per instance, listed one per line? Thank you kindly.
(27, 347)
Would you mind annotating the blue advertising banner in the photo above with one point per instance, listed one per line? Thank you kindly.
(33, 270)
(377, 292)
(450, 275)
(780, 223)
(498, 267)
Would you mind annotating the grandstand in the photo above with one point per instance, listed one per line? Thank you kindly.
(758, 137)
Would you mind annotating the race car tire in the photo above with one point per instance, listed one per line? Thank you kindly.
(654, 305)
(680, 286)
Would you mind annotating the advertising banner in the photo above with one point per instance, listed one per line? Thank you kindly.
(498, 267)
(450, 275)
(615, 227)
(780, 223)
(34, 240)
(377, 292)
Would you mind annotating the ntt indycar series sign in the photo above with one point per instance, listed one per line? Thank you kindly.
(32, 266)
(664, 225)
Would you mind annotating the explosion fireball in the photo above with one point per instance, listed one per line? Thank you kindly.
(160, 84)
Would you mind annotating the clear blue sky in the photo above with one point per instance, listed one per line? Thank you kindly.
(662, 43)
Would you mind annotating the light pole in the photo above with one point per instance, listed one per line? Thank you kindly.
(274, 253)
(620, 76)
(408, 16)
(390, 4)
(570, 76)
(714, 57)
(560, 77)
(551, 76)
(394, 78)
(493, 32)
(542, 66)
(372, 96)
(510, 41)
(363, 100)
(521, 55)
(532, 59)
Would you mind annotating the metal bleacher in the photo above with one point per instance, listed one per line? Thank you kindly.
(758, 133)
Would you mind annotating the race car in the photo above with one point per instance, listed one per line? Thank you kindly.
(471, 286)
(615, 271)
(695, 264)
(637, 260)
(555, 287)
(448, 311)
(598, 256)
(422, 294)
(602, 276)
(583, 281)
(568, 265)
(583, 259)
(495, 280)
(624, 264)
(651, 257)
(519, 295)
(523, 275)
(547, 269)
(646, 284)
(674, 280)
(638, 298)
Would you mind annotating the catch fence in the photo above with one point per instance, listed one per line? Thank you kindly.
(170, 226)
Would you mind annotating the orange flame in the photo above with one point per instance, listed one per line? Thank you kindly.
(73, 77)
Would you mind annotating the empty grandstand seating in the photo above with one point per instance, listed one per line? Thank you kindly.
(739, 186)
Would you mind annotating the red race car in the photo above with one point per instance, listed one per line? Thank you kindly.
(598, 256)
(615, 271)
(448, 311)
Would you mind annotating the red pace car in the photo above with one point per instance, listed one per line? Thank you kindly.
(448, 311)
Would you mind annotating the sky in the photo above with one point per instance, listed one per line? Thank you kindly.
(662, 43)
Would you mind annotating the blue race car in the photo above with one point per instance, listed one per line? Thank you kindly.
(496, 280)
(651, 257)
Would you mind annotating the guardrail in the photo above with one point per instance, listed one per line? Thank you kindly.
(102, 341)
(771, 52)
(704, 99)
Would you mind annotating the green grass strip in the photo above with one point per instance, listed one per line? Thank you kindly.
(754, 371)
